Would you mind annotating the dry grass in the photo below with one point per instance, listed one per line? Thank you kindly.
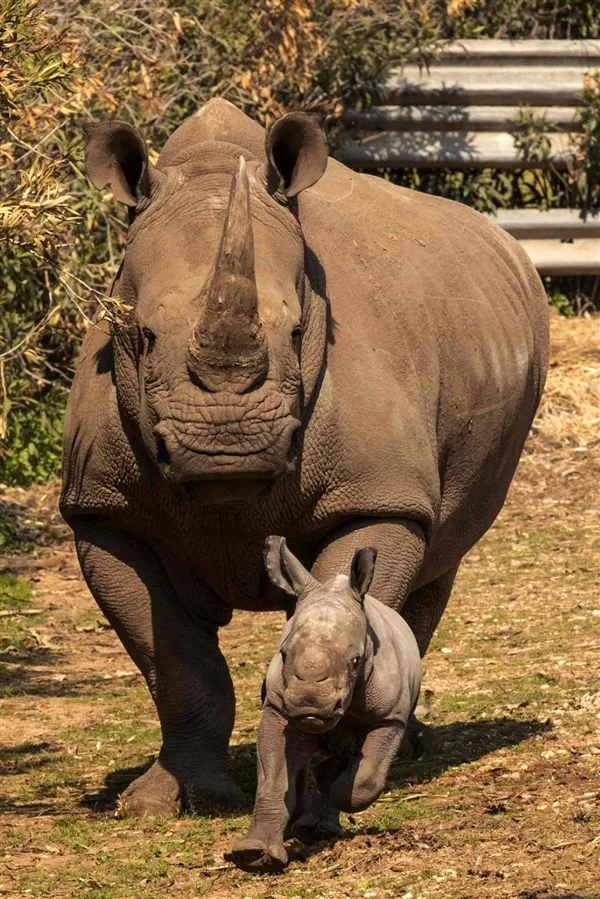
(570, 412)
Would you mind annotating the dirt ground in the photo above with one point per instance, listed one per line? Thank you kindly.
(507, 806)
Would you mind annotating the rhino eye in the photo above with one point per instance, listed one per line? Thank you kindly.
(149, 339)
(283, 654)
(297, 333)
(355, 661)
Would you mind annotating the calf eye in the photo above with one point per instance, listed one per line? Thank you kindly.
(355, 661)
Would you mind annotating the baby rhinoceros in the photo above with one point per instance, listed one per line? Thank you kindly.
(344, 682)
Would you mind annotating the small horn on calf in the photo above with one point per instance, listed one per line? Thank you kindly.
(228, 334)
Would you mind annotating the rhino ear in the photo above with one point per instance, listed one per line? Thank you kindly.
(116, 154)
(284, 569)
(362, 569)
(296, 149)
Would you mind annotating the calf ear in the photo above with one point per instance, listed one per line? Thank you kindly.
(296, 149)
(361, 570)
(116, 154)
(284, 569)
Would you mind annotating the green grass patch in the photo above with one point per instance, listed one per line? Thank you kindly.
(391, 814)
(109, 859)
(14, 593)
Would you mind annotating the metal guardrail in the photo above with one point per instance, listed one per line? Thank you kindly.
(463, 113)
(558, 241)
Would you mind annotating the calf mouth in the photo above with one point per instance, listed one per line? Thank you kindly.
(315, 724)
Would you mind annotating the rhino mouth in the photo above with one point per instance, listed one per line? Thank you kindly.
(195, 459)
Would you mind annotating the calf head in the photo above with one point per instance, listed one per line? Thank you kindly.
(207, 362)
(323, 646)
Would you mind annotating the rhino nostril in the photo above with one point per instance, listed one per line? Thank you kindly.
(197, 380)
(337, 706)
(258, 381)
(162, 453)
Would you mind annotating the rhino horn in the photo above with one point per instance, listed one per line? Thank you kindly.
(228, 332)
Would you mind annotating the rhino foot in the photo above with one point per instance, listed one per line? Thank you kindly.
(256, 856)
(313, 827)
(157, 792)
(161, 792)
(211, 792)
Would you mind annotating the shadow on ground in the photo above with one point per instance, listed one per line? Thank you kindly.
(27, 680)
(455, 744)
(464, 742)
(26, 757)
(115, 782)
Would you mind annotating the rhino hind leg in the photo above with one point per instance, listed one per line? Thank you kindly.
(183, 666)
(423, 610)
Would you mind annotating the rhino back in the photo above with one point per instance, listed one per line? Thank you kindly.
(437, 358)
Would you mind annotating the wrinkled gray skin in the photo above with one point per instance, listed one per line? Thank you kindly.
(345, 680)
(309, 352)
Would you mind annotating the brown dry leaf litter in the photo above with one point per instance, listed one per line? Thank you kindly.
(507, 806)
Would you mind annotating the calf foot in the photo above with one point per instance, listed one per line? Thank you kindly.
(319, 820)
(257, 855)
(419, 741)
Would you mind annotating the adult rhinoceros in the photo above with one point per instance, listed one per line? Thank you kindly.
(310, 352)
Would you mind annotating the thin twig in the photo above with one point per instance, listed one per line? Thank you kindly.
(11, 613)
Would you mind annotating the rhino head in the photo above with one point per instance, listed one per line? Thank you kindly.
(207, 362)
(325, 642)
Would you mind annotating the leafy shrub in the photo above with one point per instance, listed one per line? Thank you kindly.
(153, 62)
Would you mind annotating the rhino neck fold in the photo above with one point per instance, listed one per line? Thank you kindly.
(313, 359)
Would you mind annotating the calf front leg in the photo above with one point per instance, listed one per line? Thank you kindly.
(282, 753)
(354, 786)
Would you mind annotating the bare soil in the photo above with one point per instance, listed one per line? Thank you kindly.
(508, 805)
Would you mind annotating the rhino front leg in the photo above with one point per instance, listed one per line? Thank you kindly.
(354, 786)
(183, 666)
(283, 754)
(400, 545)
